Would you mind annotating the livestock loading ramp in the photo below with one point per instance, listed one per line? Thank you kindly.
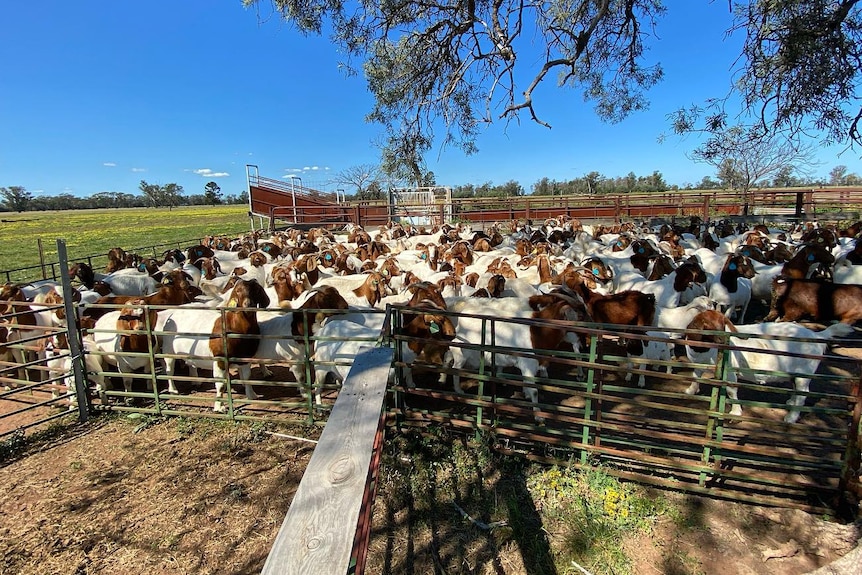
(292, 203)
(277, 201)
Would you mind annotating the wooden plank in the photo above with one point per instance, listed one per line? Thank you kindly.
(318, 532)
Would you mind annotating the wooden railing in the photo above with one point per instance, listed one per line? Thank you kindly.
(328, 523)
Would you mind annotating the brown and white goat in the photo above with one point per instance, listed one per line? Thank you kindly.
(794, 299)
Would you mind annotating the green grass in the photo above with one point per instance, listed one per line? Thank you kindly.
(594, 513)
(94, 232)
(552, 515)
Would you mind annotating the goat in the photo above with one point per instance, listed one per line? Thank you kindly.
(175, 289)
(731, 288)
(679, 317)
(772, 358)
(806, 259)
(59, 363)
(470, 328)
(202, 335)
(364, 290)
(123, 339)
(428, 330)
(794, 299)
(647, 351)
(25, 327)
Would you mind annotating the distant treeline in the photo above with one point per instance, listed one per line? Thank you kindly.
(17, 199)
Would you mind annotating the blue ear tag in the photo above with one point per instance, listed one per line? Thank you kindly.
(198, 253)
(434, 328)
(810, 257)
(142, 267)
(595, 271)
(422, 256)
(641, 250)
(732, 266)
(619, 243)
(266, 248)
(327, 257)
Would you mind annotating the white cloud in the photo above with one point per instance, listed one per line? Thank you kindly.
(110, 164)
(303, 170)
(139, 169)
(208, 173)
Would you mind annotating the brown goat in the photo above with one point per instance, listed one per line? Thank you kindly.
(795, 298)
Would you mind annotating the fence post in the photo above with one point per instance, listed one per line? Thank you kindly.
(73, 334)
(715, 423)
(588, 401)
(41, 257)
(849, 480)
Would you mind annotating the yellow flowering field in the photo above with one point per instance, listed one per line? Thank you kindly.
(94, 232)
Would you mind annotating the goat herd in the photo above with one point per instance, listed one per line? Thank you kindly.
(235, 302)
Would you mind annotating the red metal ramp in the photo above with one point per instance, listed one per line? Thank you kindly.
(292, 203)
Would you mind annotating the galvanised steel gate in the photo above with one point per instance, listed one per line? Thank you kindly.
(41, 379)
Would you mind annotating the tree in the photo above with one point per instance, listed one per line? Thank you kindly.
(16, 198)
(592, 181)
(798, 71)
(836, 175)
(707, 183)
(172, 195)
(744, 157)
(653, 183)
(461, 65)
(152, 193)
(157, 196)
(212, 193)
(455, 64)
(360, 177)
(784, 178)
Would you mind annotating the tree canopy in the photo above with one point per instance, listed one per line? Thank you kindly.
(16, 198)
(462, 64)
(744, 158)
(159, 196)
(212, 193)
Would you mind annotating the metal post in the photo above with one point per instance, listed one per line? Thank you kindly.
(249, 168)
(41, 257)
(73, 333)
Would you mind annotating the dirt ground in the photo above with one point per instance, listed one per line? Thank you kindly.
(130, 495)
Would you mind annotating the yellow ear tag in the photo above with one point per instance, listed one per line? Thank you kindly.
(231, 302)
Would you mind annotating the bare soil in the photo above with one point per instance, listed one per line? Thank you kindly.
(129, 496)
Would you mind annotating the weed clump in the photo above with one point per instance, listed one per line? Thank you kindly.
(592, 513)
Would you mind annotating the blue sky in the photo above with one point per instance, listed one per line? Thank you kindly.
(100, 95)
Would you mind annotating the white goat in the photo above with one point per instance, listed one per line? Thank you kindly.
(752, 355)
(680, 317)
(124, 351)
(59, 363)
(648, 351)
(129, 281)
